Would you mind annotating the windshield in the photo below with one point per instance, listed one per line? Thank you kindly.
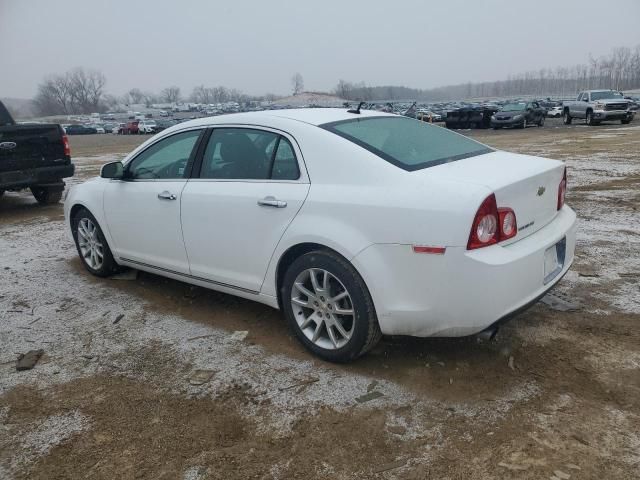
(605, 95)
(514, 107)
(407, 143)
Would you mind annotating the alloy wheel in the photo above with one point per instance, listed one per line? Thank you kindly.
(323, 308)
(91, 248)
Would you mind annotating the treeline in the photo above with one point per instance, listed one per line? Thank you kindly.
(620, 70)
(82, 91)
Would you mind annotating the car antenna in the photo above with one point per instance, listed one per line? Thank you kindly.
(357, 110)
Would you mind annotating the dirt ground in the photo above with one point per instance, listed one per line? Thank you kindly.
(144, 377)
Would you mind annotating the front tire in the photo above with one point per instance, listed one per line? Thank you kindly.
(589, 119)
(329, 308)
(566, 118)
(47, 195)
(625, 121)
(541, 122)
(91, 244)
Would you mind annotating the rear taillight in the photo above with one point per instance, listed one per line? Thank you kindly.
(508, 224)
(485, 225)
(492, 224)
(67, 148)
(562, 189)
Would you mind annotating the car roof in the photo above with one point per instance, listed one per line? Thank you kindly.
(312, 116)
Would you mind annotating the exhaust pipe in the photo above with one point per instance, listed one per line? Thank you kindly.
(488, 334)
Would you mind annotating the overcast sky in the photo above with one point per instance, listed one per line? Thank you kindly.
(256, 46)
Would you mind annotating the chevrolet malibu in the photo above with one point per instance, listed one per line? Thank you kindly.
(354, 224)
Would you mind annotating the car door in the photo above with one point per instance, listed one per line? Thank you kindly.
(250, 185)
(143, 209)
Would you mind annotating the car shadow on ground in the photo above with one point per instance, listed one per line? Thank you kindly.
(444, 368)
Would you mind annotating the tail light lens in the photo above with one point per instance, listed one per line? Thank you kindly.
(508, 223)
(492, 224)
(484, 229)
(67, 148)
(562, 189)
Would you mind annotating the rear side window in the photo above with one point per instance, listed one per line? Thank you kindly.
(407, 143)
(248, 154)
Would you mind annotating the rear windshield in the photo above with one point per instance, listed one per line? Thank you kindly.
(407, 143)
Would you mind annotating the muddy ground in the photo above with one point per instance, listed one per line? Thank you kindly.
(144, 377)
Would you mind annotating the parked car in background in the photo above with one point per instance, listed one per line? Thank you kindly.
(80, 130)
(131, 127)
(518, 114)
(147, 127)
(35, 156)
(99, 128)
(595, 106)
(119, 128)
(555, 112)
(286, 209)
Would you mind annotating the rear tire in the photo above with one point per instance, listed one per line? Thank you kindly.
(625, 121)
(47, 195)
(332, 314)
(91, 244)
(541, 122)
(566, 118)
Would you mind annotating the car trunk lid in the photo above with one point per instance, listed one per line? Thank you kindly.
(528, 185)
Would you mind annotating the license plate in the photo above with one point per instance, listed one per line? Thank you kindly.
(554, 260)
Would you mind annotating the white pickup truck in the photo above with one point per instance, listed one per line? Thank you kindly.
(595, 106)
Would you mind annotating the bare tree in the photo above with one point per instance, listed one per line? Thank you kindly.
(76, 91)
(298, 83)
(171, 94)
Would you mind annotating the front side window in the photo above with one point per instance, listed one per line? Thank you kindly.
(248, 154)
(407, 143)
(166, 159)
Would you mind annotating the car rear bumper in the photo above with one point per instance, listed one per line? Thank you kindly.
(461, 292)
(36, 176)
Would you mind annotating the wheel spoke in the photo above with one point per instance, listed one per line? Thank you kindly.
(341, 330)
(301, 303)
(344, 311)
(314, 281)
(316, 333)
(308, 321)
(325, 281)
(302, 289)
(332, 336)
(340, 296)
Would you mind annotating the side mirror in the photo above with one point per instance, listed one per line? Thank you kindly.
(112, 170)
(585, 100)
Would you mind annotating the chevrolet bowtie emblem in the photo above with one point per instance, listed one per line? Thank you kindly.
(541, 191)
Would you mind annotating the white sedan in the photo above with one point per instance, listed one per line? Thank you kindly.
(354, 224)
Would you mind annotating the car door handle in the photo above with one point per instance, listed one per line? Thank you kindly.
(272, 202)
(166, 196)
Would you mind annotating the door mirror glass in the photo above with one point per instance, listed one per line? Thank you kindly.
(112, 170)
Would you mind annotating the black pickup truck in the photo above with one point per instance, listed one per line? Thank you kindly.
(35, 156)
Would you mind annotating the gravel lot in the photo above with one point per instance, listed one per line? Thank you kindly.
(144, 377)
